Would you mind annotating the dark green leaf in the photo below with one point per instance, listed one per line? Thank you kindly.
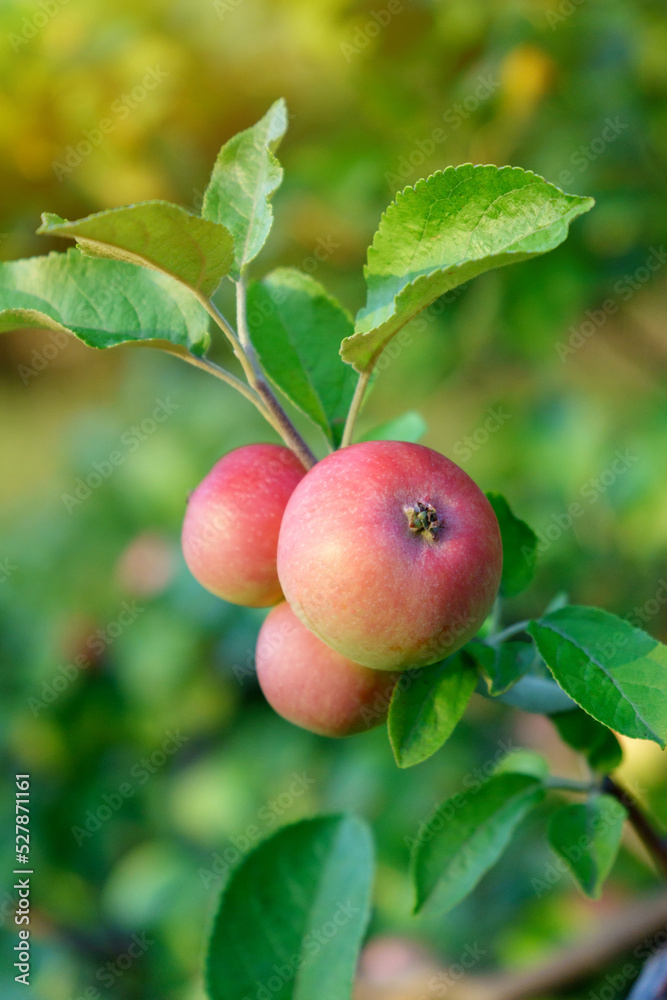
(466, 835)
(581, 731)
(502, 665)
(426, 706)
(614, 671)
(410, 427)
(245, 176)
(587, 837)
(293, 914)
(102, 302)
(444, 231)
(296, 328)
(154, 234)
(519, 547)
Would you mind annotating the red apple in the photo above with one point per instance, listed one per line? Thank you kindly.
(312, 685)
(230, 531)
(390, 553)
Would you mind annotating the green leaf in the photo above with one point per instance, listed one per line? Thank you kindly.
(581, 731)
(524, 762)
(519, 547)
(444, 231)
(409, 427)
(153, 234)
(426, 706)
(587, 837)
(293, 914)
(614, 671)
(296, 328)
(102, 302)
(502, 665)
(466, 835)
(245, 176)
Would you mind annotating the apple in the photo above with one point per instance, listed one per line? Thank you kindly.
(230, 530)
(390, 553)
(312, 685)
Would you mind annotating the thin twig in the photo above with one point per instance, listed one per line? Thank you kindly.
(654, 843)
(255, 375)
(210, 366)
(495, 640)
(355, 406)
(556, 784)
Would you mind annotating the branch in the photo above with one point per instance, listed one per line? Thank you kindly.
(654, 843)
(255, 375)
(614, 935)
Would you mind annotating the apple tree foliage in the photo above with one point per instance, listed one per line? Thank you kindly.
(292, 915)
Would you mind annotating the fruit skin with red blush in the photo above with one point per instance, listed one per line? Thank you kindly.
(390, 553)
(231, 525)
(312, 685)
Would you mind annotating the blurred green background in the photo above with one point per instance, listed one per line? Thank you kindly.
(165, 703)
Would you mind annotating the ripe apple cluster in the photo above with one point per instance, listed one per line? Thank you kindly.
(382, 557)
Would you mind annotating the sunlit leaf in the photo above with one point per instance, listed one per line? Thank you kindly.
(447, 229)
(153, 234)
(102, 302)
(245, 176)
